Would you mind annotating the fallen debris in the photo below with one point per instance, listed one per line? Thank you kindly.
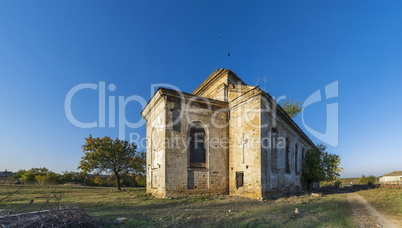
(67, 217)
(120, 220)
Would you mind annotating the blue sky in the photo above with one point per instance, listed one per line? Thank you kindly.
(290, 48)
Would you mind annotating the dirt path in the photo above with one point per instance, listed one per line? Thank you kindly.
(365, 215)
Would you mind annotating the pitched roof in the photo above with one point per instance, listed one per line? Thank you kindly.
(395, 173)
(215, 76)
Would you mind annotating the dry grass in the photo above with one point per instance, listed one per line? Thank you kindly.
(143, 210)
(386, 201)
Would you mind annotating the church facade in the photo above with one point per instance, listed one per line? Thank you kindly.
(225, 137)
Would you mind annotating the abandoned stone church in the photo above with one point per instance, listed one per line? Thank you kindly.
(223, 138)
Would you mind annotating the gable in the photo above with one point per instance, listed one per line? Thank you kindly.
(215, 86)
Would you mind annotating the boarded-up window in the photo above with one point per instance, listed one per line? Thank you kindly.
(190, 180)
(176, 121)
(239, 179)
(296, 159)
(274, 149)
(197, 146)
(302, 159)
(287, 156)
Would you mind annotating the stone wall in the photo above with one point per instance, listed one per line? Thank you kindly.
(279, 180)
(244, 134)
(155, 156)
(238, 121)
(181, 179)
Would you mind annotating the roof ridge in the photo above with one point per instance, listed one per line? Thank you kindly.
(212, 77)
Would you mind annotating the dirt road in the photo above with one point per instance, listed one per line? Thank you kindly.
(365, 215)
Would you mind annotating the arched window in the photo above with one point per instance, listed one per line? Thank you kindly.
(296, 159)
(287, 155)
(197, 146)
(274, 149)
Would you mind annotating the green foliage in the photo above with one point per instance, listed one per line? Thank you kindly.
(134, 180)
(49, 178)
(45, 176)
(19, 174)
(331, 184)
(116, 157)
(337, 183)
(363, 180)
(140, 180)
(31, 175)
(292, 107)
(370, 180)
(73, 177)
(98, 180)
(321, 165)
(28, 177)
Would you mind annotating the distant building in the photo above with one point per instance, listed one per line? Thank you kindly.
(392, 178)
(6, 173)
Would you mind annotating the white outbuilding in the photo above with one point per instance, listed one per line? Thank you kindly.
(392, 178)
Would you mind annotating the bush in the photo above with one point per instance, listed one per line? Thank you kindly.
(73, 177)
(370, 180)
(28, 177)
(337, 184)
(50, 178)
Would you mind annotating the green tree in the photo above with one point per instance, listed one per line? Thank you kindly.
(72, 177)
(98, 180)
(50, 178)
(19, 174)
(28, 177)
(292, 107)
(331, 164)
(370, 180)
(320, 165)
(116, 157)
(33, 175)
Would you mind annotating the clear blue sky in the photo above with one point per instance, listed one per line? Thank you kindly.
(299, 47)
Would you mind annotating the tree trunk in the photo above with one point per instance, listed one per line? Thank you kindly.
(118, 182)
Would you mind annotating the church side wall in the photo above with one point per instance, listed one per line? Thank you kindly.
(266, 124)
(155, 156)
(279, 180)
(245, 148)
(181, 179)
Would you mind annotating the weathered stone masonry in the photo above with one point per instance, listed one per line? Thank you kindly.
(224, 138)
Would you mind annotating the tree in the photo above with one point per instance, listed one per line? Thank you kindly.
(19, 174)
(28, 177)
(33, 174)
(320, 165)
(72, 177)
(49, 178)
(292, 107)
(116, 157)
(100, 181)
(370, 180)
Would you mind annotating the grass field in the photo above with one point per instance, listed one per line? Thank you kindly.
(142, 209)
(386, 201)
